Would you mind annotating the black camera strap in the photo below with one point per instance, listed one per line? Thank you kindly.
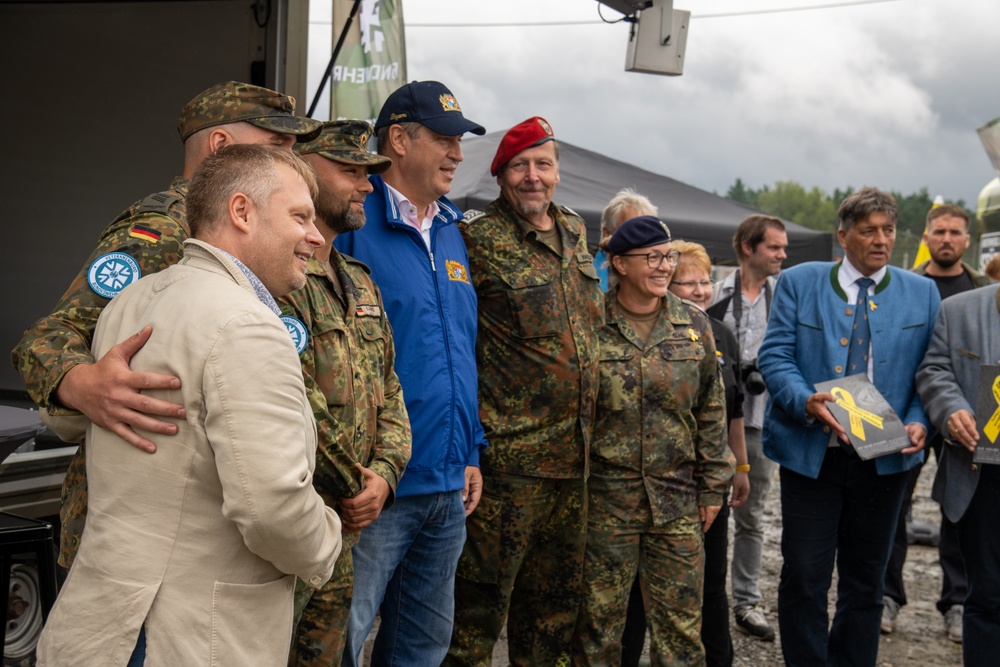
(737, 301)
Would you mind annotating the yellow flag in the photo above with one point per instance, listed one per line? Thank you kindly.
(923, 254)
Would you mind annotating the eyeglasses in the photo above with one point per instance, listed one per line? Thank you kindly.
(655, 258)
(692, 283)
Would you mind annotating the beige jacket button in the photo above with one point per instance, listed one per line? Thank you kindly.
(848, 312)
(844, 342)
(975, 467)
(826, 429)
(838, 369)
(316, 581)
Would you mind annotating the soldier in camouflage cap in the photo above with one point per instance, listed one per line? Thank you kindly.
(540, 310)
(345, 344)
(233, 101)
(54, 357)
(345, 141)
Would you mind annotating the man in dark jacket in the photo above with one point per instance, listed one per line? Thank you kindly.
(946, 237)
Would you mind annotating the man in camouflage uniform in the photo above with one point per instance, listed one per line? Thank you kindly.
(54, 357)
(540, 310)
(345, 344)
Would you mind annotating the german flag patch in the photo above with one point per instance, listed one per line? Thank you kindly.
(368, 311)
(144, 233)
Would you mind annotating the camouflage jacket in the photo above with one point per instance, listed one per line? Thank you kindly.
(658, 441)
(539, 316)
(346, 349)
(151, 232)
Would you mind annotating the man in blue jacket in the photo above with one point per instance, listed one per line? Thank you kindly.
(405, 561)
(833, 504)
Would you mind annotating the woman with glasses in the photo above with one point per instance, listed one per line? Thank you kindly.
(658, 469)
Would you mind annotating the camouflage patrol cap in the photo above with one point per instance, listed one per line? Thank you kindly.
(233, 101)
(346, 141)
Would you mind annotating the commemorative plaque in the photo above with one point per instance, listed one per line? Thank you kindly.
(872, 426)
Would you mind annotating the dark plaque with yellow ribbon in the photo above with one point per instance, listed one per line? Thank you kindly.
(872, 426)
(988, 415)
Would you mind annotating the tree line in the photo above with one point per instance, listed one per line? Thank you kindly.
(817, 209)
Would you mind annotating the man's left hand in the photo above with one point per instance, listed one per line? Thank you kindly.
(918, 438)
(473, 489)
(362, 510)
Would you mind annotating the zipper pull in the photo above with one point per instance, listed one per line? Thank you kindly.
(431, 255)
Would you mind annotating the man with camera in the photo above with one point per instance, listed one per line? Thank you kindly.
(743, 301)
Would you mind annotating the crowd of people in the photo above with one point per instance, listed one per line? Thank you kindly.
(309, 390)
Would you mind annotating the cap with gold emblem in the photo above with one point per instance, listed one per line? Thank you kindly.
(346, 141)
(233, 101)
(428, 103)
(526, 134)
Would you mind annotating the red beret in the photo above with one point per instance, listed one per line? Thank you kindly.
(532, 132)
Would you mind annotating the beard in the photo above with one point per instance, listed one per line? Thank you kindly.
(947, 262)
(337, 212)
(530, 209)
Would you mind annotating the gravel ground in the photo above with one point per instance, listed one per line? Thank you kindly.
(919, 639)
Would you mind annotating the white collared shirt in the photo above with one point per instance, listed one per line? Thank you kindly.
(848, 276)
(409, 213)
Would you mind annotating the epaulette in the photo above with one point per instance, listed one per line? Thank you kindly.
(157, 203)
(688, 302)
(357, 262)
(472, 215)
(567, 209)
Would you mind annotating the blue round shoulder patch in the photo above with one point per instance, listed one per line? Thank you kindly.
(111, 273)
(297, 330)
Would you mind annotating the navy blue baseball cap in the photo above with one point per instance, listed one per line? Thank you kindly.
(428, 103)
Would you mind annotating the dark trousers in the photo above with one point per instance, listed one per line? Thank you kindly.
(979, 533)
(846, 516)
(715, 603)
(954, 586)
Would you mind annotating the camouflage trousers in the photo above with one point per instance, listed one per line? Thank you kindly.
(73, 508)
(523, 562)
(321, 617)
(670, 562)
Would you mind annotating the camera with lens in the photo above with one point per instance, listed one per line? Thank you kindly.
(753, 381)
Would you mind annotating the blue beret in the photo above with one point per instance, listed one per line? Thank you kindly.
(640, 232)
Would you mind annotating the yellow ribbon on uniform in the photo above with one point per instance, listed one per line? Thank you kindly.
(858, 415)
(992, 428)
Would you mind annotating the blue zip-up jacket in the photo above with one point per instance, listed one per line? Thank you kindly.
(431, 306)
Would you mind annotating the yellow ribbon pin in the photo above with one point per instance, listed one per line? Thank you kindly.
(694, 336)
(992, 427)
(872, 306)
(858, 416)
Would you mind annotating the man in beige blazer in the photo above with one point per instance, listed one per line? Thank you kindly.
(190, 554)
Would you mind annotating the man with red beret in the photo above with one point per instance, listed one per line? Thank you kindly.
(540, 309)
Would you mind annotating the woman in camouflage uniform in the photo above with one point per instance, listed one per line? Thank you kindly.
(658, 462)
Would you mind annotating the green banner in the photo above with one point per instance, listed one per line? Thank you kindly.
(372, 62)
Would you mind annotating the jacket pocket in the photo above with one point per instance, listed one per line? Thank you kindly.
(252, 623)
(535, 305)
(480, 560)
(618, 384)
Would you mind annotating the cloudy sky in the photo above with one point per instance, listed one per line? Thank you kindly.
(882, 93)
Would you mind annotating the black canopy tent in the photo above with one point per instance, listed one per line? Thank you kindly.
(588, 180)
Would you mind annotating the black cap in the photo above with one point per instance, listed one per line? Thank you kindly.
(428, 103)
(640, 232)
